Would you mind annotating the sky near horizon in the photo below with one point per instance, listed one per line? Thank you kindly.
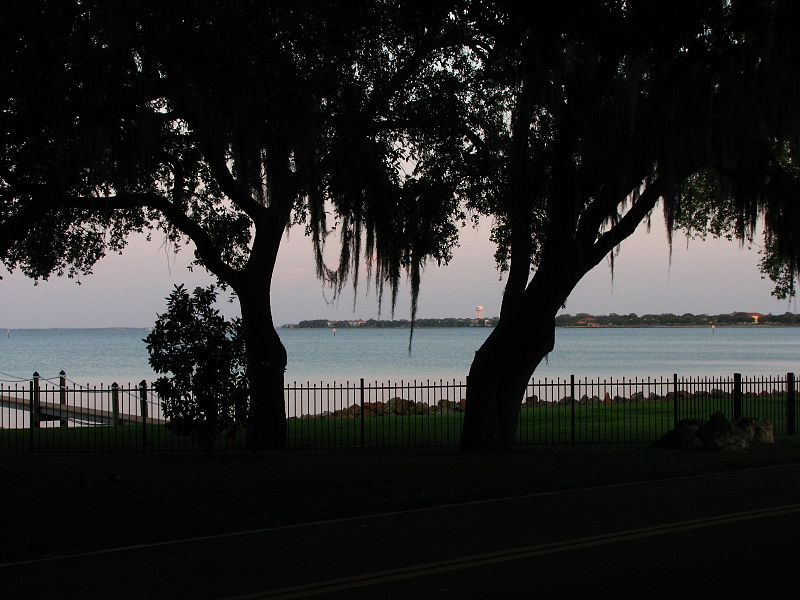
(713, 277)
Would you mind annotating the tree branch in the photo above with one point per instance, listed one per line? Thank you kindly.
(598, 210)
(399, 77)
(205, 245)
(118, 202)
(228, 184)
(476, 141)
(626, 225)
(519, 207)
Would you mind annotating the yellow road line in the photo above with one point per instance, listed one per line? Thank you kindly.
(500, 556)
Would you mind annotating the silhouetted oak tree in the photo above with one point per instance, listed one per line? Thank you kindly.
(582, 121)
(224, 123)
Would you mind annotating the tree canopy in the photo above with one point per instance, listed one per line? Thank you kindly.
(226, 122)
(582, 122)
(223, 123)
(203, 118)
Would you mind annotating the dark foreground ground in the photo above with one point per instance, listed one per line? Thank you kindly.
(722, 535)
(60, 504)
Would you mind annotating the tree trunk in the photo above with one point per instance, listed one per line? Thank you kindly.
(266, 364)
(504, 364)
(498, 378)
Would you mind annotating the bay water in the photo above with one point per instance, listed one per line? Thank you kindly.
(102, 356)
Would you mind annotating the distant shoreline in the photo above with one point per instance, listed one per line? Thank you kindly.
(726, 326)
(5, 329)
(408, 326)
(584, 320)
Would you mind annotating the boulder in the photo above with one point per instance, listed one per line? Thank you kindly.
(683, 437)
(531, 401)
(374, 409)
(759, 431)
(354, 410)
(718, 433)
(401, 406)
(448, 406)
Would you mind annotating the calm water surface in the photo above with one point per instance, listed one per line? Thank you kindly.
(105, 355)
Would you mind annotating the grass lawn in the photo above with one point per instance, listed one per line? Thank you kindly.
(133, 498)
(547, 423)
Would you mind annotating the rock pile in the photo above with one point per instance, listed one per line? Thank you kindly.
(718, 433)
(639, 396)
(394, 407)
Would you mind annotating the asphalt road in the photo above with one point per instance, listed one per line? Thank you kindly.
(733, 535)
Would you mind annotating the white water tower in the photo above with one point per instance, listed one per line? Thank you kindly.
(479, 312)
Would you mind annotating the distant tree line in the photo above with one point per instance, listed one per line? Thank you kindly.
(669, 319)
(568, 320)
(394, 323)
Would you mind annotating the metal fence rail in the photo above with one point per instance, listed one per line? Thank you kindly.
(59, 415)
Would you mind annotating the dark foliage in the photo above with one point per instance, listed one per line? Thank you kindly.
(222, 123)
(206, 390)
(388, 122)
(583, 122)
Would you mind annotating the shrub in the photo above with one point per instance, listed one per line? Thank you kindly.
(205, 393)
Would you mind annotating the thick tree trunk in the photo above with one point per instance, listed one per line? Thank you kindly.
(498, 377)
(266, 364)
(504, 364)
(525, 332)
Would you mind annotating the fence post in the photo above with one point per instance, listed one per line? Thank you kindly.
(361, 412)
(32, 412)
(143, 405)
(676, 410)
(791, 414)
(737, 395)
(572, 407)
(62, 394)
(36, 414)
(115, 404)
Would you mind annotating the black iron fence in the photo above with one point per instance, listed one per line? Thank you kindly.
(59, 415)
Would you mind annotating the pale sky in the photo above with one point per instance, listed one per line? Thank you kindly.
(129, 290)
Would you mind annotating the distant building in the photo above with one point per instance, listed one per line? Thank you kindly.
(756, 317)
